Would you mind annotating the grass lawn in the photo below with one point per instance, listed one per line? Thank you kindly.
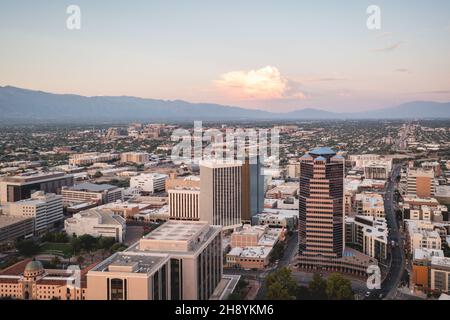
(64, 249)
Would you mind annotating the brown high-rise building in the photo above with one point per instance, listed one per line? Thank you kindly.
(321, 197)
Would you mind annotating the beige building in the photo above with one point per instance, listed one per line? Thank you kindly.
(421, 182)
(180, 260)
(221, 194)
(97, 222)
(369, 204)
(440, 274)
(184, 203)
(28, 280)
(134, 157)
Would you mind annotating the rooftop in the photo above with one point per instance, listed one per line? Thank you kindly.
(145, 263)
(92, 187)
(322, 151)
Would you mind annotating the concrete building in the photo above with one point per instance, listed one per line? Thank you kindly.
(184, 203)
(282, 191)
(293, 170)
(421, 182)
(422, 235)
(28, 280)
(97, 222)
(149, 182)
(18, 188)
(134, 157)
(86, 159)
(248, 257)
(15, 227)
(180, 260)
(369, 235)
(91, 192)
(221, 193)
(440, 274)
(276, 218)
(420, 272)
(369, 204)
(45, 208)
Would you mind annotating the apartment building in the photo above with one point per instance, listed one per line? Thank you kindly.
(134, 157)
(86, 159)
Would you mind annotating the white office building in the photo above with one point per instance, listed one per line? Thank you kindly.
(45, 208)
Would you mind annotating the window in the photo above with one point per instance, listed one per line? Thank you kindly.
(117, 289)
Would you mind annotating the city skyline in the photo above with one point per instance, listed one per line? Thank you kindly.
(253, 55)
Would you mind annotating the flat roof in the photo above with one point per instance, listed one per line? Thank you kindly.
(144, 263)
(10, 220)
(92, 187)
(176, 231)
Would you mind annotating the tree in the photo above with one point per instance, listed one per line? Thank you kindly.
(27, 248)
(281, 285)
(303, 293)
(339, 288)
(97, 175)
(276, 291)
(55, 261)
(317, 287)
(80, 260)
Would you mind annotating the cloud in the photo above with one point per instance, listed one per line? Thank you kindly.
(389, 48)
(327, 79)
(261, 84)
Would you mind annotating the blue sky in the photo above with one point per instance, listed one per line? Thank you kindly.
(273, 55)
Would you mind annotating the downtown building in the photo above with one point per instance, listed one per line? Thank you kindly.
(321, 216)
(180, 260)
(46, 209)
(221, 193)
(16, 188)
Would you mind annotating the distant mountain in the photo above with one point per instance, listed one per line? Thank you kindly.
(22, 105)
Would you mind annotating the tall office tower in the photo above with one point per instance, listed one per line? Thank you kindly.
(18, 188)
(221, 193)
(321, 204)
(252, 189)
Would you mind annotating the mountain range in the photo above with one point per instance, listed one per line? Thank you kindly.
(28, 106)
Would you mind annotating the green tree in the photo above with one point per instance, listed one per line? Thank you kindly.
(317, 287)
(281, 285)
(55, 261)
(276, 291)
(80, 260)
(27, 248)
(339, 288)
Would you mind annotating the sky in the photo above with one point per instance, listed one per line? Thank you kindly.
(273, 55)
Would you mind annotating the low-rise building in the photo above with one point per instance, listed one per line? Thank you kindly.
(15, 227)
(28, 280)
(134, 157)
(91, 192)
(97, 222)
(149, 182)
